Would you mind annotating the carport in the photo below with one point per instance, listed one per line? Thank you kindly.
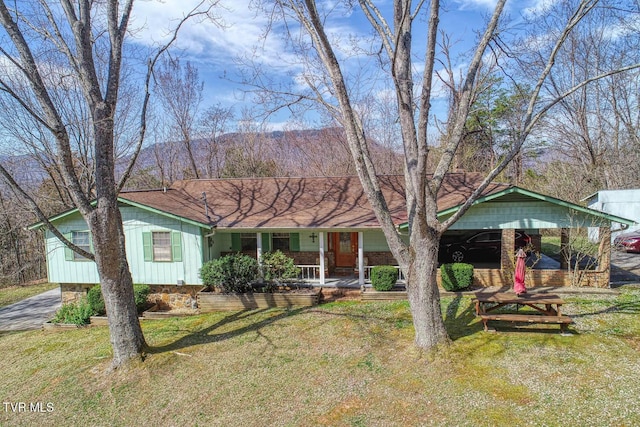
(514, 209)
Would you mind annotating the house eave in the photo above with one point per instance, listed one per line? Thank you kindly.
(64, 214)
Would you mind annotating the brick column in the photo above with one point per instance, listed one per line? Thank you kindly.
(506, 253)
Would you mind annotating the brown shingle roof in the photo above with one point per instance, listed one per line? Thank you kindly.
(317, 202)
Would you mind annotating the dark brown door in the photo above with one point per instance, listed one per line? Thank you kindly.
(346, 247)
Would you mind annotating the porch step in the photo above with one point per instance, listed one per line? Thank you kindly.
(393, 295)
(343, 271)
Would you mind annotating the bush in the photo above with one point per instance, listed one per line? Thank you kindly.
(231, 273)
(456, 276)
(94, 298)
(75, 313)
(384, 277)
(96, 302)
(140, 294)
(278, 268)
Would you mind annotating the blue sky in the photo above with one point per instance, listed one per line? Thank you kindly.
(213, 49)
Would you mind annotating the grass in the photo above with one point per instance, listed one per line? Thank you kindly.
(550, 246)
(13, 294)
(339, 364)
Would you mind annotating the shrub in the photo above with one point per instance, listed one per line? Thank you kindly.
(140, 294)
(96, 302)
(231, 273)
(94, 298)
(456, 276)
(278, 268)
(384, 277)
(75, 313)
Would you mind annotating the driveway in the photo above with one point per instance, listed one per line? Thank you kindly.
(625, 267)
(30, 313)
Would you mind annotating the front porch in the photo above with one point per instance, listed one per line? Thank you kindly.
(323, 257)
(346, 258)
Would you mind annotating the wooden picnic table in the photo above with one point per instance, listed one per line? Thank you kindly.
(547, 307)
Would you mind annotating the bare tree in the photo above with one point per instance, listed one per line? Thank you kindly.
(22, 258)
(251, 152)
(77, 47)
(214, 123)
(320, 153)
(597, 126)
(330, 83)
(180, 89)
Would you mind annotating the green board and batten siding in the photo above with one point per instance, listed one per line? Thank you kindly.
(530, 215)
(136, 223)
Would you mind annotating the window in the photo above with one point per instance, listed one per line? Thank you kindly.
(81, 239)
(248, 242)
(280, 241)
(162, 246)
(161, 243)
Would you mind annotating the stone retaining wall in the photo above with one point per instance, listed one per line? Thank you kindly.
(171, 296)
(165, 296)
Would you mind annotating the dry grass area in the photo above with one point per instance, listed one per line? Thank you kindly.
(339, 364)
(12, 294)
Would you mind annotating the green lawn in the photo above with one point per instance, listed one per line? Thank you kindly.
(340, 364)
(550, 246)
(13, 294)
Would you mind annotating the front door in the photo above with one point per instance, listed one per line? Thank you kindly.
(346, 247)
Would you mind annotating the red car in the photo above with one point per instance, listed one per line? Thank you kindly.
(629, 241)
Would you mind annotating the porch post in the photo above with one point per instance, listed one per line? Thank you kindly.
(360, 259)
(259, 246)
(321, 251)
(259, 255)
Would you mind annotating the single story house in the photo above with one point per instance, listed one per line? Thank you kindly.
(325, 223)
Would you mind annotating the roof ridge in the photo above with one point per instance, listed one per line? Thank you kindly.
(141, 190)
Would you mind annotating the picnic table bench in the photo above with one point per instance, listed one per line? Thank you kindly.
(547, 306)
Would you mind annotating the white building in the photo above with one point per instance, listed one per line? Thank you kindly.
(622, 203)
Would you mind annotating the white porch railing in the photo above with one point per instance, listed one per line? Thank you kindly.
(312, 272)
(309, 271)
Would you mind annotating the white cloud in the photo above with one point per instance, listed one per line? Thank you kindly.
(628, 26)
(538, 7)
(476, 4)
(239, 31)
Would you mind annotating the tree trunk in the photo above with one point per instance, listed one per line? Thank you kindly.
(422, 290)
(126, 335)
(105, 223)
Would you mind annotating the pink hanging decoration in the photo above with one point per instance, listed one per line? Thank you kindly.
(521, 268)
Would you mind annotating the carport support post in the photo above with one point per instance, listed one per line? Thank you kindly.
(506, 252)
